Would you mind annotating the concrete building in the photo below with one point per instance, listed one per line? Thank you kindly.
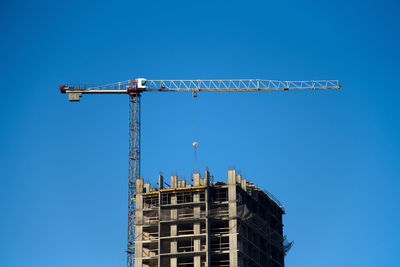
(231, 224)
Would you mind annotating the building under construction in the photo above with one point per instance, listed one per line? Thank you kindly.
(230, 224)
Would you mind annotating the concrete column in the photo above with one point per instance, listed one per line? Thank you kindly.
(174, 230)
(174, 246)
(174, 212)
(181, 183)
(160, 186)
(174, 181)
(139, 186)
(196, 228)
(174, 227)
(231, 176)
(197, 261)
(196, 179)
(174, 262)
(233, 253)
(196, 209)
(160, 181)
(207, 177)
(197, 245)
(138, 261)
(139, 209)
(196, 197)
(138, 246)
(244, 184)
(138, 223)
(196, 212)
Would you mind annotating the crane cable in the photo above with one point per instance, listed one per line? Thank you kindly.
(194, 133)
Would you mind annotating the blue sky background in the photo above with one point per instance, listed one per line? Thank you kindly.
(332, 157)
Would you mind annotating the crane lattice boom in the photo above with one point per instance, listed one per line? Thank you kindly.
(196, 86)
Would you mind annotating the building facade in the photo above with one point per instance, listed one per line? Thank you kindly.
(221, 224)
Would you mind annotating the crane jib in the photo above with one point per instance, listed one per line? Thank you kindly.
(137, 86)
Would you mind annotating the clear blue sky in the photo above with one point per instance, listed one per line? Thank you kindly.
(332, 157)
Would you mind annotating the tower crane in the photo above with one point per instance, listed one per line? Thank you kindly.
(135, 87)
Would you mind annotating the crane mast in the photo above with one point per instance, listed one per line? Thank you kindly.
(135, 87)
(133, 172)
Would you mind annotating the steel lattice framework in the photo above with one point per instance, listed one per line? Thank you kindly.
(134, 88)
(207, 85)
(133, 172)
